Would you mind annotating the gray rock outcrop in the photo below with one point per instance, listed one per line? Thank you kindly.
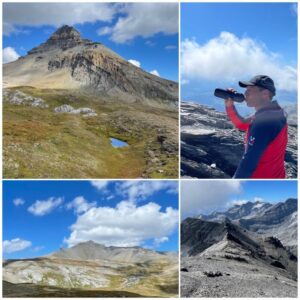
(17, 97)
(68, 109)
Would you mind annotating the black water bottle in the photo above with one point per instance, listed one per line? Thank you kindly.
(225, 94)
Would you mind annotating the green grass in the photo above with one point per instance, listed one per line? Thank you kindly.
(39, 143)
(153, 281)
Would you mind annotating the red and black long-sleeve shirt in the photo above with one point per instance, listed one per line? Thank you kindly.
(265, 143)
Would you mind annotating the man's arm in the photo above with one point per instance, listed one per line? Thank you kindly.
(260, 137)
(238, 121)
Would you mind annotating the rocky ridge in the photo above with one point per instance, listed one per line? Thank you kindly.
(212, 148)
(222, 259)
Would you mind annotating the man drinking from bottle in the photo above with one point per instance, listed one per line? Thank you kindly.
(266, 131)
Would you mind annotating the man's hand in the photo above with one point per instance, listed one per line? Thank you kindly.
(229, 101)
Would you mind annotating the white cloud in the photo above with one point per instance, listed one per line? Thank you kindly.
(9, 55)
(184, 81)
(243, 201)
(140, 190)
(145, 20)
(135, 62)
(80, 205)
(18, 201)
(38, 248)
(125, 225)
(104, 31)
(15, 245)
(171, 47)
(231, 59)
(100, 184)
(55, 14)
(155, 72)
(206, 196)
(161, 240)
(236, 202)
(150, 43)
(41, 208)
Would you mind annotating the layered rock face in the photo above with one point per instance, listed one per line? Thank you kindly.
(67, 61)
(212, 148)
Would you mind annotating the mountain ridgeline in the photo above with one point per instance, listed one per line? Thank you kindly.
(94, 251)
(67, 61)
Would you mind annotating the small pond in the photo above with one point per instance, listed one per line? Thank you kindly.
(118, 143)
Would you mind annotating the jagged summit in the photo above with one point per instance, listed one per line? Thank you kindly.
(64, 38)
(65, 32)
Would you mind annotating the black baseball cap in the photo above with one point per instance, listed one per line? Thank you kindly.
(263, 81)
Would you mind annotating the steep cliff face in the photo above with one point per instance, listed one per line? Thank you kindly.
(66, 61)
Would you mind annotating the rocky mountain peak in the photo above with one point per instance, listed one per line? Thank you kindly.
(65, 33)
(63, 38)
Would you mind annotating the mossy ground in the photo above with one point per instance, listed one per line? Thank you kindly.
(39, 143)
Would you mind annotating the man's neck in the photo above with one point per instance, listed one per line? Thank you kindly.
(263, 105)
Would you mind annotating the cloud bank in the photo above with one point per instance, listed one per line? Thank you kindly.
(132, 19)
(54, 14)
(144, 20)
(125, 225)
(206, 196)
(230, 58)
(15, 245)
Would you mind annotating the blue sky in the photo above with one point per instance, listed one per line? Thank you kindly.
(39, 217)
(207, 196)
(146, 33)
(226, 42)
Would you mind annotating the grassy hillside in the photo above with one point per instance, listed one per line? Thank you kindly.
(39, 143)
(70, 278)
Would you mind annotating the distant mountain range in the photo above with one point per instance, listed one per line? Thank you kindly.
(92, 269)
(229, 249)
(279, 220)
(212, 148)
(94, 251)
(67, 61)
